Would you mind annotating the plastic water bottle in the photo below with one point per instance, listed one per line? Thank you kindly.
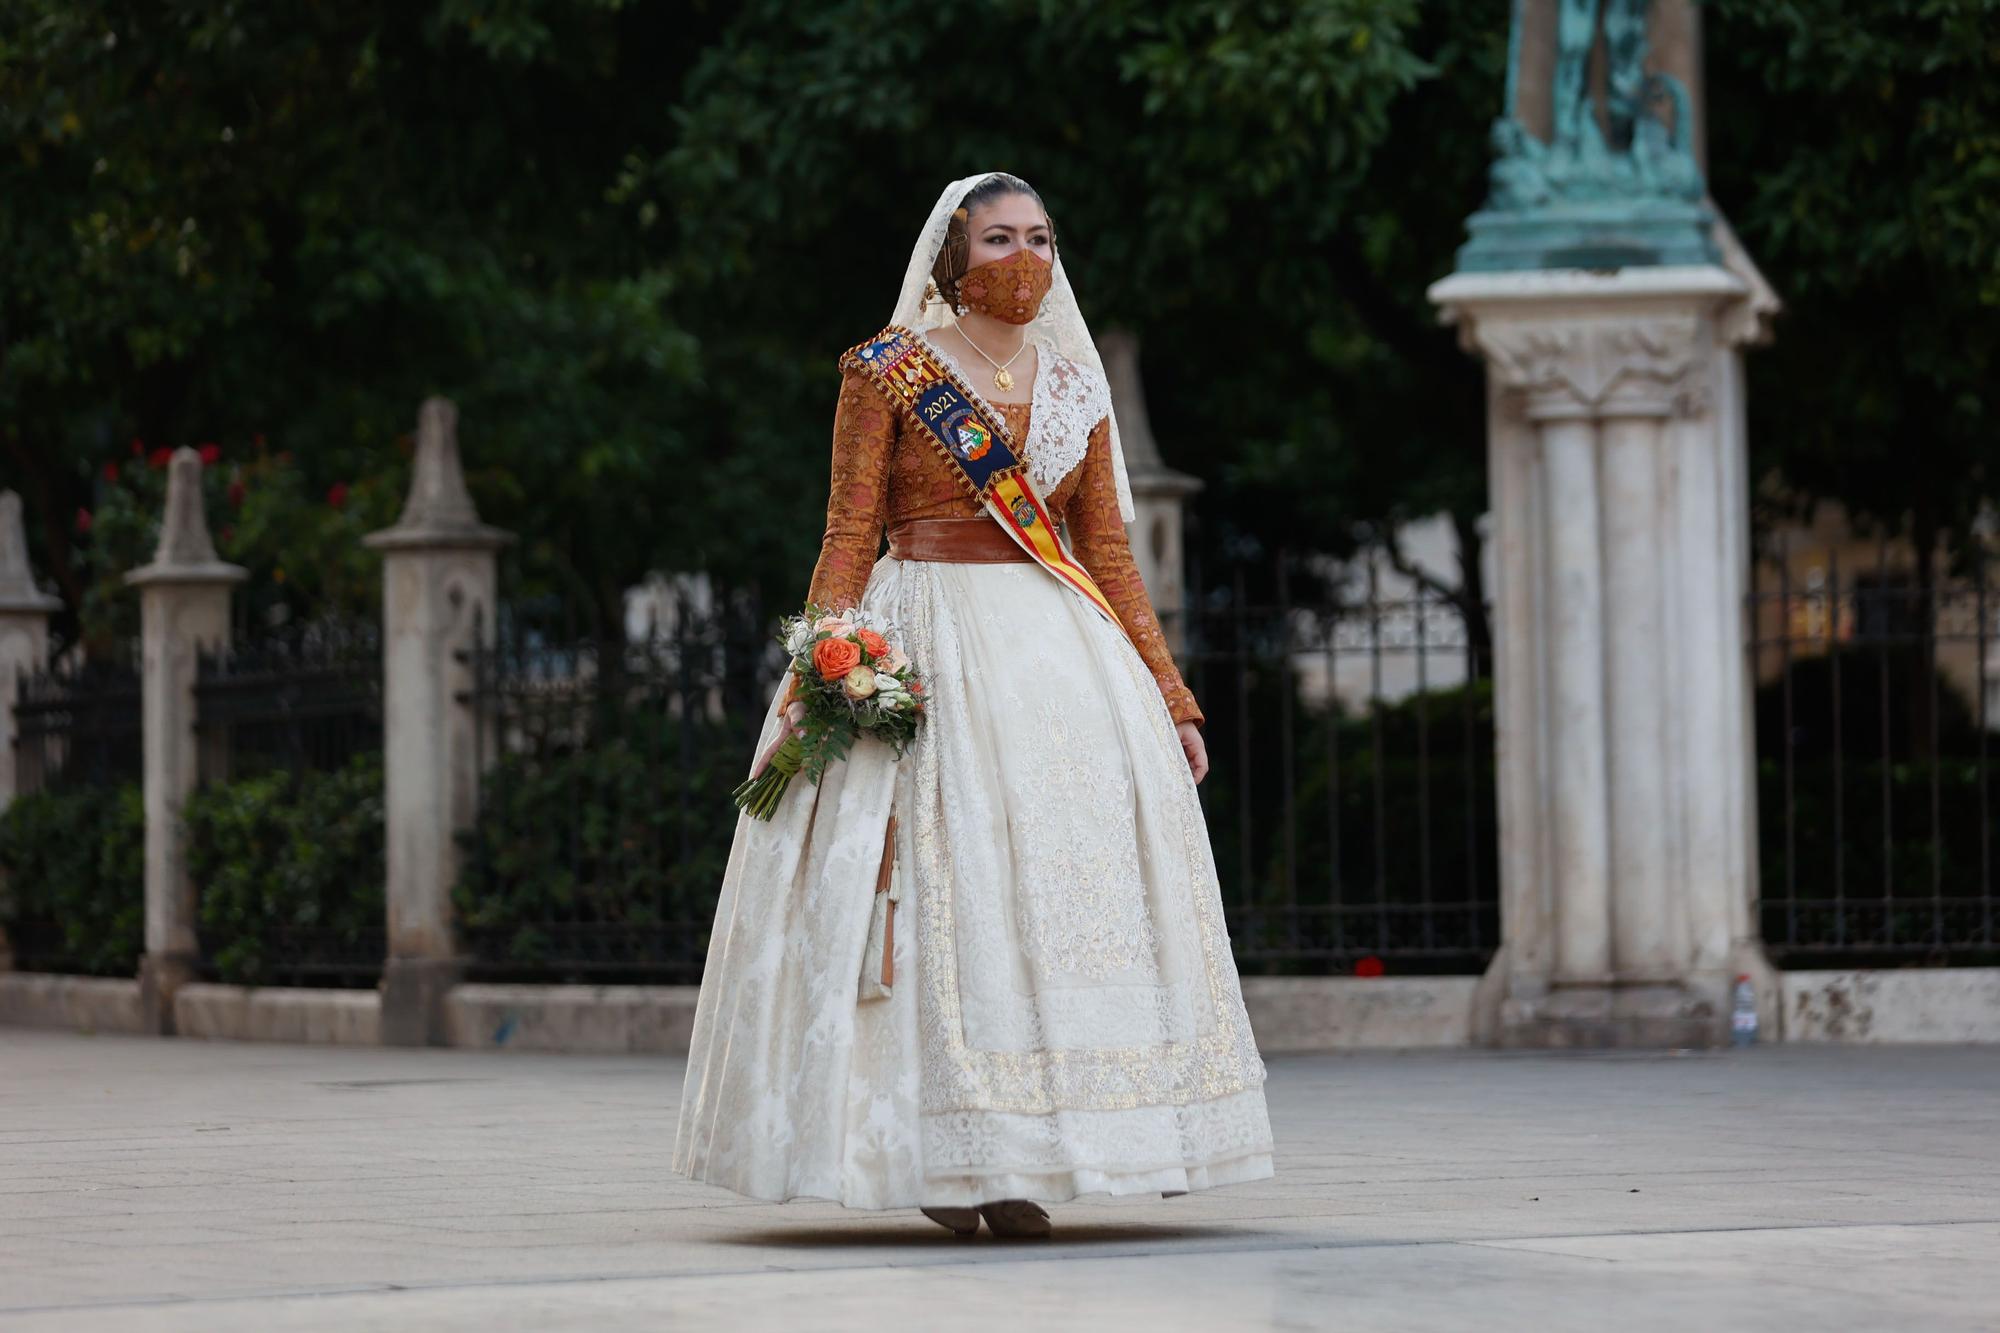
(1743, 1012)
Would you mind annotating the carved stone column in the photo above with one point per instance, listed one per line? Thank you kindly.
(1159, 493)
(24, 648)
(183, 610)
(439, 575)
(1621, 693)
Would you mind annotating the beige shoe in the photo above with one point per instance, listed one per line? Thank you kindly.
(958, 1221)
(1016, 1218)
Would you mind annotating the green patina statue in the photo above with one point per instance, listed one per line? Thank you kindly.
(1616, 183)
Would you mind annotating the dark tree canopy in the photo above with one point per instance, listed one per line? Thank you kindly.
(631, 238)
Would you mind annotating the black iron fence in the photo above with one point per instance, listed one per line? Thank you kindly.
(298, 699)
(285, 836)
(1350, 799)
(1875, 759)
(72, 844)
(605, 817)
(77, 723)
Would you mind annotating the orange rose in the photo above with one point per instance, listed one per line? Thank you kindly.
(876, 645)
(834, 658)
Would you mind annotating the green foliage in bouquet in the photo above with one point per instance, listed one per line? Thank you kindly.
(73, 879)
(290, 869)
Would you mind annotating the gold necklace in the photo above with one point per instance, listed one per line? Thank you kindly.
(1002, 380)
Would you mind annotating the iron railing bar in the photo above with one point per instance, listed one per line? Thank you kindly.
(1984, 691)
(1378, 756)
(1834, 654)
(1287, 752)
(1790, 737)
(1888, 798)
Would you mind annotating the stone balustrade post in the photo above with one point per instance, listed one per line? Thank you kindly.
(439, 580)
(183, 611)
(24, 650)
(1618, 465)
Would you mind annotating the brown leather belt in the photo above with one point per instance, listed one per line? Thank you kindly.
(965, 541)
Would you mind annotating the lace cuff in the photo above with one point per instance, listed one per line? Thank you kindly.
(1098, 535)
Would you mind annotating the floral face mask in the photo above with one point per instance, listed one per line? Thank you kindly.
(1009, 289)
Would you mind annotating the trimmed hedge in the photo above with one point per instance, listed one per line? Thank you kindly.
(604, 860)
(73, 897)
(291, 871)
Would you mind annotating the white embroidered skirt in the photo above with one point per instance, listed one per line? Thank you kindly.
(1066, 1017)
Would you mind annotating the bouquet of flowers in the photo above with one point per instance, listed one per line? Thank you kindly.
(846, 679)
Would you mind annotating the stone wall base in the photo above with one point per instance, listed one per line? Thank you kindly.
(592, 1020)
(1301, 1014)
(1914, 1004)
(1289, 1014)
(312, 1016)
(79, 1004)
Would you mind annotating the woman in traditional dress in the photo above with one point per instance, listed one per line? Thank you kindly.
(1064, 1015)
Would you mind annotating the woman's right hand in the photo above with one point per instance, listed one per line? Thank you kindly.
(1195, 748)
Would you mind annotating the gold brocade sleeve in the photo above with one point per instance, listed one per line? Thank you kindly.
(857, 502)
(1098, 536)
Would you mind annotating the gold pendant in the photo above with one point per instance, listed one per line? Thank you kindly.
(1002, 380)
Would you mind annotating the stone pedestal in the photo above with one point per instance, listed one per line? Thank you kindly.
(439, 574)
(1622, 694)
(183, 611)
(24, 648)
(1159, 493)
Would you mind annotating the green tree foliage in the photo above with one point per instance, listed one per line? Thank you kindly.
(230, 220)
(1857, 148)
(1261, 190)
(631, 238)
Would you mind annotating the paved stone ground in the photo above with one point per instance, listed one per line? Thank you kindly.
(179, 1185)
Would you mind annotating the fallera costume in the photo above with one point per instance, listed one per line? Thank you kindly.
(1065, 1016)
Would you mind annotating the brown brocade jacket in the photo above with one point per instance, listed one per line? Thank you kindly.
(886, 471)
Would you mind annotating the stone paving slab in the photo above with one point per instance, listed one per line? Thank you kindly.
(183, 1185)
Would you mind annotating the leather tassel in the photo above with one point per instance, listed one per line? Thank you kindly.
(882, 886)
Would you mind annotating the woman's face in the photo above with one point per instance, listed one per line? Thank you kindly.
(1001, 226)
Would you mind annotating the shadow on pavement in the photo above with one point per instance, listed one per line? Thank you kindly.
(901, 1234)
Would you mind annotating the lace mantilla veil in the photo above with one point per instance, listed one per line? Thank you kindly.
(1058, 326)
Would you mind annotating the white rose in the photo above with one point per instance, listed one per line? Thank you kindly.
(886, 683)
(801, 635)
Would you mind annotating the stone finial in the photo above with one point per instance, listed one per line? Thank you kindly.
(439, 510)
(186, 553)
(17, 578)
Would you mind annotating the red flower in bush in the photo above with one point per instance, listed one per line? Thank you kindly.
(111, 472)
(336, 494)
(138, 447)
(211, 454)
(258, 439)
(160, 457)
(83, 520)
(236, 493)
(1371, 966)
